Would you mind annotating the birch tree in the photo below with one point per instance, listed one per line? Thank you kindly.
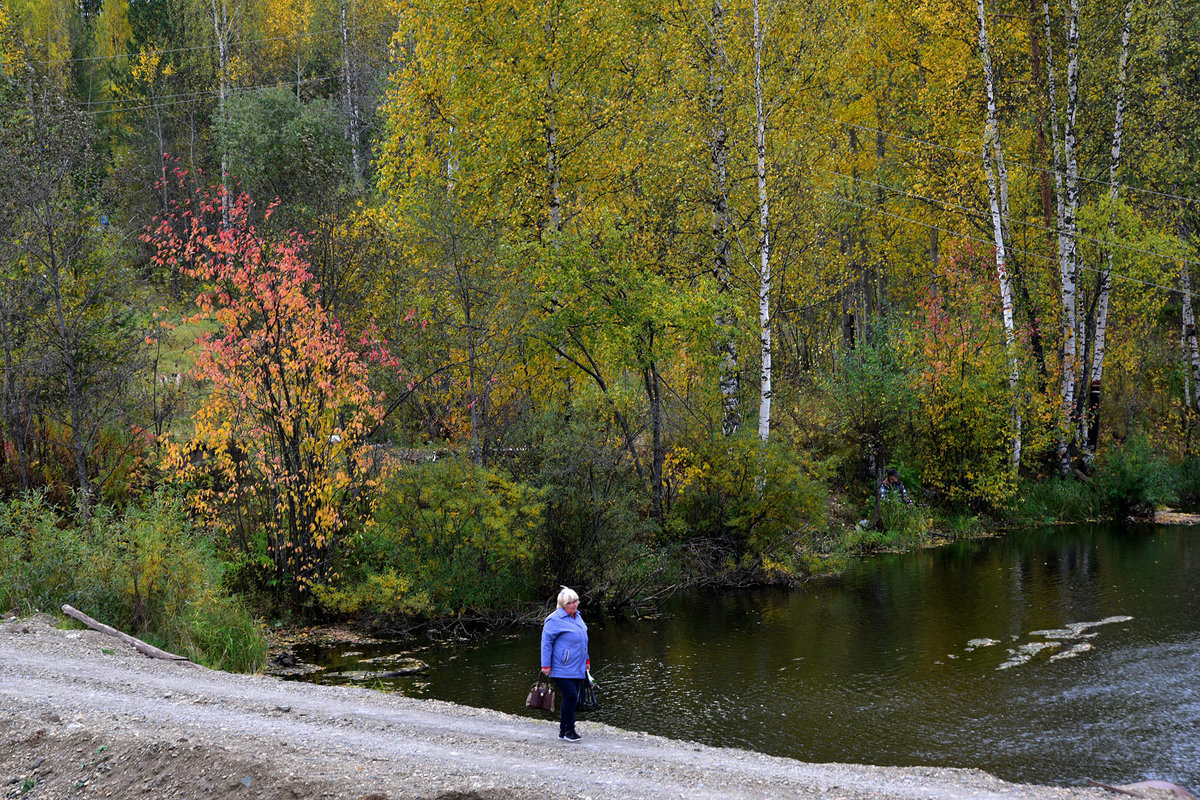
(997, 180)
(1090, 419)
(1060, 207)
(722, 223)
(764, 234)
(528, 128)
(353, 114)
(226, 16)
(1191, 348)
(1069, 255)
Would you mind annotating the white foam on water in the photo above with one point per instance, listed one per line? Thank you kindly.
(1055, 637)
(1025, 652)
(1078, 630)
(984, 642)
(1082, 647)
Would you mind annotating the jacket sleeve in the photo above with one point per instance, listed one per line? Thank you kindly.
(548, 643)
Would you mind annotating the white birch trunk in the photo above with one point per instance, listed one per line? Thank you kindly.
(1096, 373)
(993, 159)
(764, 236)
(451, 148)
(353, 117)
(1191, 349)
(1187, 373)
(719, 145)
(1069, 268)
(553, 165)
(1055, 144)
(1002, 178)
(221, 33)
(550, 133)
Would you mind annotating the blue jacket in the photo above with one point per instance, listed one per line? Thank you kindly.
(565, 645)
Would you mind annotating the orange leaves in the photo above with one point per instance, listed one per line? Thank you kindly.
(279, 442)
(959, 362)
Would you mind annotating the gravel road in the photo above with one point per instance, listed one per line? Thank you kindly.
(82, 715)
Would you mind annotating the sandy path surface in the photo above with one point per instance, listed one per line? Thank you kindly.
(82, 715)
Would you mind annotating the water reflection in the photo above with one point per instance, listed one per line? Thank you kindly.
(886, 664)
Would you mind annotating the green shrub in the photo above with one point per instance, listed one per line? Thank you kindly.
(901, 527)
(954, 350)
(598, 532)
(758, 504)
(222, 634)
(907, 526)
(146, 568)
(1132, 479)
(448, 537)
(147, 572)
(958, 525)
(384, 592)
(869, 402)
(863, 539)
(1188, 482)
(43, 561)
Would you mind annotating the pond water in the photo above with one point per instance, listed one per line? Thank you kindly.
(1051, 656)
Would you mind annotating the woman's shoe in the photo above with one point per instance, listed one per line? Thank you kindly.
(570, 736)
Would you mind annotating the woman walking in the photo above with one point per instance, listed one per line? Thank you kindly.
(565, 657)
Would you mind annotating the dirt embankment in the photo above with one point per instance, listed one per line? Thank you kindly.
(84, 716)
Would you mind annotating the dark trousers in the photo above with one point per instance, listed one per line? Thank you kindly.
(568, 690)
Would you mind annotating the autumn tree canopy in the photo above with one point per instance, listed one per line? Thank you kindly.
(614, 247)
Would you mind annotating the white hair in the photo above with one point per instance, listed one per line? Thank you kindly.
(567, 595)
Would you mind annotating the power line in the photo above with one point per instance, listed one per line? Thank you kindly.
(186, 96)
(239, 43)
(990, 243)
(1047, 170)
(191, 97)
(1011, 219)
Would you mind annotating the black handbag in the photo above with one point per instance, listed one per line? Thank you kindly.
(541, 694)
(587, 698)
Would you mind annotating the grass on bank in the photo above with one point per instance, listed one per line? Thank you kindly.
(1131, 480)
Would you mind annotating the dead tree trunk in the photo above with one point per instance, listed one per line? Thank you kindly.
(148, 650)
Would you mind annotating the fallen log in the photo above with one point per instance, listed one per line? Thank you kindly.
(1114, 789)
(1175, 789)
(148, 650)
(1129, 788)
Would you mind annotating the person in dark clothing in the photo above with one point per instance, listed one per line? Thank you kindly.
(565, 657)
(892, 487)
